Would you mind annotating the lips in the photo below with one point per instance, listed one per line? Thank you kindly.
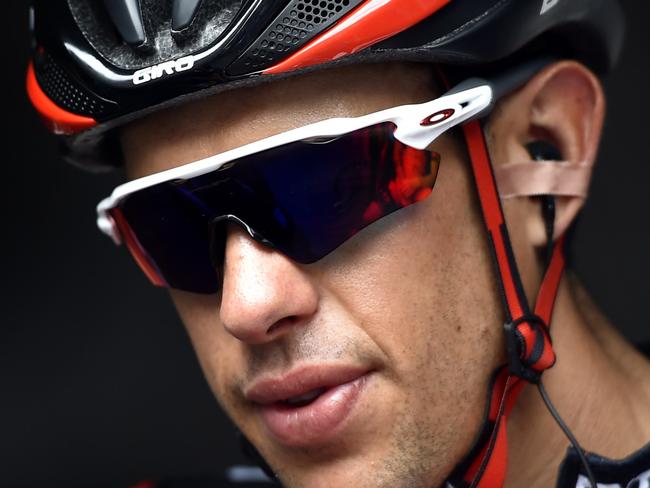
(308, 405)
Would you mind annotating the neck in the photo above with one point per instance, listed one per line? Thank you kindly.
(600, 385)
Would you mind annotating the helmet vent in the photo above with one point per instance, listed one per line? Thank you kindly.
(126, 17)
(298, 23)
(64, 92)
(115, 35)
(183, 14)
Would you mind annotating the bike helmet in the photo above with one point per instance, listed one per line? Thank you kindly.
(99, 65)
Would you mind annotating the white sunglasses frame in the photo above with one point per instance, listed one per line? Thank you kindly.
(417, 126)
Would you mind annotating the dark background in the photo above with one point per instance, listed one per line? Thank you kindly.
(98, 383)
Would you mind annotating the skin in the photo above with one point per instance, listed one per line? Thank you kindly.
(412, 297)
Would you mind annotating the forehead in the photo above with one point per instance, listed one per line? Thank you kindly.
(221, 122)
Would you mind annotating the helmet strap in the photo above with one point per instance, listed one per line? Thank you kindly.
(528, 340)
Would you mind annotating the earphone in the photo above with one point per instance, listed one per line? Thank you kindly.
(546, 151)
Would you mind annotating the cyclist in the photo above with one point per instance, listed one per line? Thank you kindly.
(313, 181)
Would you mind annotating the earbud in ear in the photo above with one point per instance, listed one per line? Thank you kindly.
(545, 151)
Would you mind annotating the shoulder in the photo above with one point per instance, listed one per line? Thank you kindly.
(632, 471)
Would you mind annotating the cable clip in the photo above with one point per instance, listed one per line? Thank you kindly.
(528, 366)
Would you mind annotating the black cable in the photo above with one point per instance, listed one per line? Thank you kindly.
(548, 213)
(569, 434)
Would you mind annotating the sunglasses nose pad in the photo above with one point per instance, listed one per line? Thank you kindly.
(218, 232)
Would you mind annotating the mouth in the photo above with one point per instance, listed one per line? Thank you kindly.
(310, 405)
(305, 399)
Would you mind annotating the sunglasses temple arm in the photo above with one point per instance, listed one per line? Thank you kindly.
(504, 83)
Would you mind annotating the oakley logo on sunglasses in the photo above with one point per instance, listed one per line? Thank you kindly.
(438, 117)
(166, 68)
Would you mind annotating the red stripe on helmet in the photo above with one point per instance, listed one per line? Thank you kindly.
(58, 120)
(373, 21)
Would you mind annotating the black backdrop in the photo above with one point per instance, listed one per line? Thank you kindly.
(98, 383)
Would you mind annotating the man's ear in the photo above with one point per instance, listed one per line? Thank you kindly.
(563, 105)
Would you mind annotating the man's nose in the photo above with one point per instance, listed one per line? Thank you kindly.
(265, 294)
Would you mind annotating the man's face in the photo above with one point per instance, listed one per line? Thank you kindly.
(371, 366)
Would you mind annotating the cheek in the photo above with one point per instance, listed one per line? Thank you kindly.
(425, 264)
(218, 352)
(421, 285)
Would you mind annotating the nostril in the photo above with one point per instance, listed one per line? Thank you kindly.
(285, 322)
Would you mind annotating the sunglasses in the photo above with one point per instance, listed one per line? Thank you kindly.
(303, 192)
